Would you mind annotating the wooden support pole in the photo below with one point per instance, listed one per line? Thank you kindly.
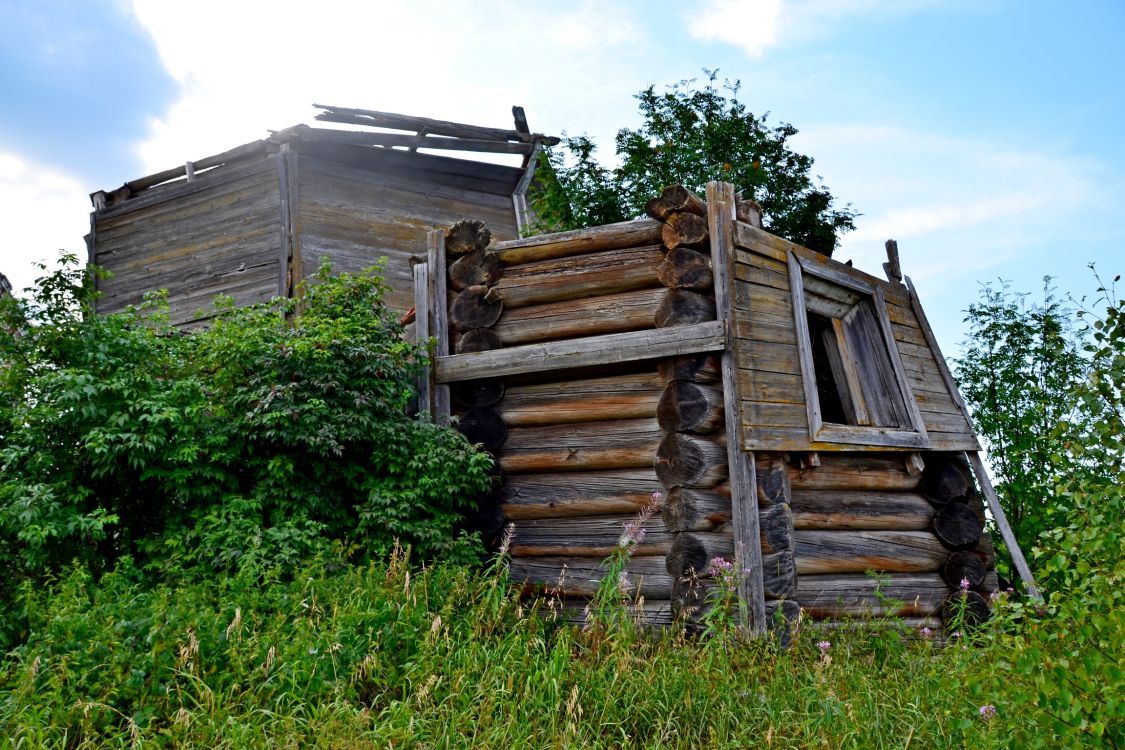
(743, 482)
(422, 334)
(439, 320)
(1001, 520)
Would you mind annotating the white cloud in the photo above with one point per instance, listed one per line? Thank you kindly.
(757, 25)
(749, 24)
(247, 67)
(44, 211)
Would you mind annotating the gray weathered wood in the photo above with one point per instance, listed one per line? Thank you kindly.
(691, 407)
(390, 120)
(579, 241)
(1001, 520)
(631, 396)
(422, 336)
(684, 229)
(721, 223)
(619, 444)
(584, 352)
(691, 461)
(439, 319)
(593, 275)
(584, 493)
(854, 472)
(612, 313)
(860, 551)
(580, 576)
(684, 268)
(688, 509)
(860, 510)
(860, 595)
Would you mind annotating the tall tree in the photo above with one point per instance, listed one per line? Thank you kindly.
(1021, 363)
(691, 135)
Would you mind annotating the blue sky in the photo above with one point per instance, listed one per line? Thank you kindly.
(984, 136)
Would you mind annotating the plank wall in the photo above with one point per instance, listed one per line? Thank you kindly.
(220, 234)
(357, 204)
(772, 396)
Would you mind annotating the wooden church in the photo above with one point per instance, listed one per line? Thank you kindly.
(750, 399)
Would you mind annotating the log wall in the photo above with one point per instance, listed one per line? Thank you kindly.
(583, 434)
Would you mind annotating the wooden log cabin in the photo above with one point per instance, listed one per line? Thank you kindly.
(793, 414)
(254, 221)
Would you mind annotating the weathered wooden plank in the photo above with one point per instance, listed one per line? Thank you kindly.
(632, 396)
(594, 350)
(763, 243)
(612, 313)
(439, 317)
(776, 387)
(722, 227)
(645, 576)
(618, 444)
(645, 612)
(390, 120)
(858, 551)
(835, 596)
(580, 241)
(769, 357)
(1001, 520)
(581, 277)
(860, 510)
(598, 537)
(423, 306)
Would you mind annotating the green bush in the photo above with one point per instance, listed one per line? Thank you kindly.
(251, 444)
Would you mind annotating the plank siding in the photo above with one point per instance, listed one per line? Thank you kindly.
(219, 237)
(352, 217)
(773, 410)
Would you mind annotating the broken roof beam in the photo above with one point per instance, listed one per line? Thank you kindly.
(371, 118)
(361, 138)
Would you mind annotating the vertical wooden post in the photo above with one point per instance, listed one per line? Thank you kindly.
(283, 280)
(747, 536)
(422, 334)
(439, 317)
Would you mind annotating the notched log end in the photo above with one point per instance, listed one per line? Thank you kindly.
(466, 236)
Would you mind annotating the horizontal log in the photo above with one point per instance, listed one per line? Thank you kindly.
(957, 526)
(484, 392)
(633, 396)
(859, 551)
(691, 461)
(581, 576)
(691, 407)
(595, 350)
(599, 537)
(579, 493)
(684, 229)
(684, 268)
(690, 554)
(775, 524)
(643, 613)
(838, 596)
(862, 472)
(683, 307)
(675, 198)
(779, 575)
(697, 368)
(851, 509)
(478, 340)
(615, 444)
(772, 475)
(475, 307)
(581, 277)
(695, 510)
(591, 316)
(477, 268)
(579, 242)
(466, 236)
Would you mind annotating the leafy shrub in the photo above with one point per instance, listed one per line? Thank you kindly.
(251, 444)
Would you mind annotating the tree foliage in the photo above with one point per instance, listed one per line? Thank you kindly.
(1022, 361)
(691, 135)
(254, 442)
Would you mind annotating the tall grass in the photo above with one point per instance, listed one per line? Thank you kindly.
(393, 656)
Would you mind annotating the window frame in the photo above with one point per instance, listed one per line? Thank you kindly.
(836, 273)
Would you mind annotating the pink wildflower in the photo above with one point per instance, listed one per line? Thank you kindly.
(987, 712)
(634, 531)
(926, 632)
(965, 584)
(623, 582)
(824, 646)
(506, 540)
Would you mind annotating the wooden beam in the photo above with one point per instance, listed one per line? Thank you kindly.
(580, 241)
(439, 319)
(424, 140)
(422, 309)
(1001, 520)
(393, 121)
(743, 482)
(592, 350)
